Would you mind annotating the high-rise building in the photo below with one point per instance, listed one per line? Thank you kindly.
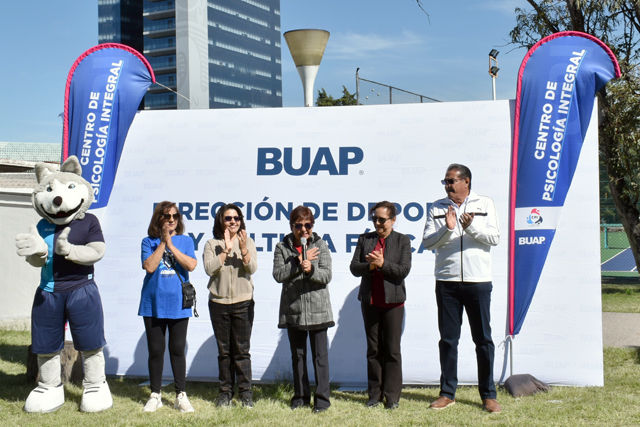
(120, 21)
(214, 53)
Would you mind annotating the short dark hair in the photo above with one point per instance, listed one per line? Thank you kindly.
(155, 226)
(463, 171)
(218, 225)
(301, 212)
(384, 204)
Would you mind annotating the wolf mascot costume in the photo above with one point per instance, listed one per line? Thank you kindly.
(65, 245)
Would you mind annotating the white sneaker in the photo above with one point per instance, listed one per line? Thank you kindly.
(154, 402)
(96, 398)
(182, 403)
(45, 399)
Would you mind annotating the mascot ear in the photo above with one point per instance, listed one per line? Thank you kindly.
(71, 165)
(42, 170)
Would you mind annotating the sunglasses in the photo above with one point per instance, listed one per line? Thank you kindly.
(229, 218)
(449, 181)
(167, 217)
(379, 220)
(308, 226)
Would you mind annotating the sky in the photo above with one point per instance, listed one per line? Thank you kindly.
(442, 56)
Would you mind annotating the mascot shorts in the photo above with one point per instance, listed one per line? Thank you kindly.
(81, 307)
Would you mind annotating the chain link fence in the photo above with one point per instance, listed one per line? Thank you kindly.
(31, 151)
(369, 92)
(616, 257)
(617, 260)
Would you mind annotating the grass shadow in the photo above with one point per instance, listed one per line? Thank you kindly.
(623, 288)
(418, 397)
(15, 385)
(360, 397)
(279, 391)
(14, 353)
(130, 389)
(612, 280)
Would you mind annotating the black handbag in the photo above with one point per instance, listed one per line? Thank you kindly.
(188, 290)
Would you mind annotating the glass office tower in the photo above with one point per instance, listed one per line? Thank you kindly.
(214, 53)
(120, 21)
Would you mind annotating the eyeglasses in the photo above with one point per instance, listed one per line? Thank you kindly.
(167, 217)
(379, 220)
(449, 181)
(308, 226)
(229, 218)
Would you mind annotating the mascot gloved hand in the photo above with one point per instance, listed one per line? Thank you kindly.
(65, 244)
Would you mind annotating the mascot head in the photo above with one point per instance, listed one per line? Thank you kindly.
(61, 196)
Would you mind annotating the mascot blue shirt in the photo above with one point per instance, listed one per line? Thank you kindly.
(59, 274)
(162, 291)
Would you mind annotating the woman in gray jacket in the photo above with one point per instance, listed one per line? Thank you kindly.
(302, 263)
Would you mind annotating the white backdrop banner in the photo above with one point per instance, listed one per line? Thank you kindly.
(340, 161)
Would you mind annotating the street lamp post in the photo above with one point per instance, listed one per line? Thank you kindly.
(307, 48)
(493, 69)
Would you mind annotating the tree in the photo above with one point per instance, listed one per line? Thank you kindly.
(616, 23)
(325, 100)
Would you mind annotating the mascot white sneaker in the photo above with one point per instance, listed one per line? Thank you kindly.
(96, 396)
(65, 244)
(49, 395)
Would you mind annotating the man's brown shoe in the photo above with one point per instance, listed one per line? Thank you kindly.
(442, 402)
(491, 405)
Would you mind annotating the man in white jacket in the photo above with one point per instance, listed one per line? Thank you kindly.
(461, 228)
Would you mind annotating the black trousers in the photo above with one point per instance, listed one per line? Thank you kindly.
(475, 299)
(156, 342)
(320, 355)
(383, 327)
(232, 325)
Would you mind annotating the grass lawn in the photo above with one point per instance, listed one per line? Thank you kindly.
(621, 296)
(614, 404)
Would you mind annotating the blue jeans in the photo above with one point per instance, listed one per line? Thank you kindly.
(452, 299)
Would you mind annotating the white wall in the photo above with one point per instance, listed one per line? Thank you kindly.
(18, 279)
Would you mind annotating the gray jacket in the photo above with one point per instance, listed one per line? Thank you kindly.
(305, 301)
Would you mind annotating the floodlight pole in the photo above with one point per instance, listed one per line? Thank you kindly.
(358, 88)
(493, 70)
(307, 48)
(493, 81)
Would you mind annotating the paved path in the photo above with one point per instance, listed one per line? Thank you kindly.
(621, 329)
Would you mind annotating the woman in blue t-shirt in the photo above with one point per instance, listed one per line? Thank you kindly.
(166, 252)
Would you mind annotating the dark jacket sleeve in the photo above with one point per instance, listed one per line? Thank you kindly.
(399, 270)
(358, 267)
